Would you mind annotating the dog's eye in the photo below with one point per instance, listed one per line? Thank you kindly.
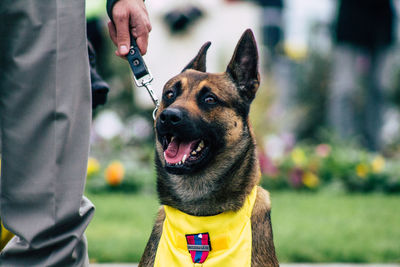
(169, 95)
(210, 99)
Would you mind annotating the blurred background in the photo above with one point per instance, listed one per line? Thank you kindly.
(326, 117)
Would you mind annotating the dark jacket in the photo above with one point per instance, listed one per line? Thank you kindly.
(365, 23)
(271, 3)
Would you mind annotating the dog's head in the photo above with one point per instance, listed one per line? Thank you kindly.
(202, 123)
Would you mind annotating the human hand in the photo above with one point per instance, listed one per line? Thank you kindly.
(129, 16)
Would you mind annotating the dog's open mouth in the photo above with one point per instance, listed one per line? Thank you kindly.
(180, 154)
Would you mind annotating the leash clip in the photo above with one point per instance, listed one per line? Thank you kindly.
(141, 73)
(153, 96)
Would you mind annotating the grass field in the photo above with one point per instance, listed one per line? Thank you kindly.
(308, 227)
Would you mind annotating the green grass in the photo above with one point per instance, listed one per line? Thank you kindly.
(121, 226)
(336, 227)
(308, 227)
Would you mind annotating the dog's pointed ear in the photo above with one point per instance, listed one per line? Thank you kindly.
(199, 62)
(243, 67)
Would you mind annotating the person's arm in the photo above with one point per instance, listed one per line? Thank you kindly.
(128, 16)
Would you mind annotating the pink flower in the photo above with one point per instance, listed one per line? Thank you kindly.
(323, 150)
(296, 177)
(266, 165)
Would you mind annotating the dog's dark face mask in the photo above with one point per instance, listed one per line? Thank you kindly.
(189, 140)
(203, 115)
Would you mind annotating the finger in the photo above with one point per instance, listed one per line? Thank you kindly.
(142, 43)
(112, 32)
(121, 21)
(113, 35)
(141, 33)
(149, 27)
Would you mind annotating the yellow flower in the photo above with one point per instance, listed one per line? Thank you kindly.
(114, 173)
(93, 166)
(299, 157)
(295, 52)
(362, 170)
(313, 165)
(378, 164)
(310, 180)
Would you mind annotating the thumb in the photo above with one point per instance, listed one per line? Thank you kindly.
(123, 36)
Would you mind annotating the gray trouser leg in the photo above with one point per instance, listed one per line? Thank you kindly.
(344, 86)
(356, 99)
(45, 117)
(374, 102)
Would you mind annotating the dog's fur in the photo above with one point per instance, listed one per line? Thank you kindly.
(214, 108)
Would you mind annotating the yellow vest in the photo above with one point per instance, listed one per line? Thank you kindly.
(229, 234)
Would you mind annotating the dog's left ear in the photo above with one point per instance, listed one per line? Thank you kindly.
(199, 62)
(243, 67)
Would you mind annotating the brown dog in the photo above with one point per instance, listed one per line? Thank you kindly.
(208, 171)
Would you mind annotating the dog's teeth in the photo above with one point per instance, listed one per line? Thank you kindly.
(193, 153)
(201, 145)
(172, 138)
(184, 158)
(164, 155)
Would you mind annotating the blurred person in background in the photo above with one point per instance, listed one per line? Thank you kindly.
(272, 29)
(45, 113)
(364, 31)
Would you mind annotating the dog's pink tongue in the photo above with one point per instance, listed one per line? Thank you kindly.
(176, 150)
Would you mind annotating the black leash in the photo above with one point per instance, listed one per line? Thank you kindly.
(141, 73)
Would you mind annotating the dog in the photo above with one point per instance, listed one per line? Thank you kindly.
(213, 213)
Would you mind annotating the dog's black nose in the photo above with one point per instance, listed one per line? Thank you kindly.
(172, 116)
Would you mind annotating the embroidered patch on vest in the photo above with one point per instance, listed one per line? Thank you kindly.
(199, 246)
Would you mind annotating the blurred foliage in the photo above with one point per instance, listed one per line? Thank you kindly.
(259, 118)
(337, 167)
(115, 166)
